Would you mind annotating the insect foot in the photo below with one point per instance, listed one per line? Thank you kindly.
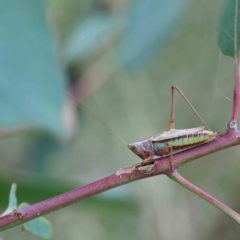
(148, 169)
(144, 169)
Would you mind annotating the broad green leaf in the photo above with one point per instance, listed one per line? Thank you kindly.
(40, 227)
(226, 28)
(149, 25)
(32, 82)
(91, 34)
(12, 204)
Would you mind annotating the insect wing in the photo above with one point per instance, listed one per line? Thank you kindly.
(173, 133)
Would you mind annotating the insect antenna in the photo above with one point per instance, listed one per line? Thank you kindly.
(87, 110)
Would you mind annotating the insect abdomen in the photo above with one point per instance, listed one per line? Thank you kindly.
(191, 139)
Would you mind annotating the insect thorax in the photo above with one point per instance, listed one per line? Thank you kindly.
(158, 147)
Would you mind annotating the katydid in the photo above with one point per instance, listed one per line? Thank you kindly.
(172, 140)
(167, 142)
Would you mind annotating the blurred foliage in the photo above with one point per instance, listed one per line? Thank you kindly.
(12, 203)
(40, 226)
(168, 44)
(31, 79)
(91, 32)
(148, 25)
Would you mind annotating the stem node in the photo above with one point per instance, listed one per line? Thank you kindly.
(233, 125)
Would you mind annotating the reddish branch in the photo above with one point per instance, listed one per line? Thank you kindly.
(224, 208)
(162, 166)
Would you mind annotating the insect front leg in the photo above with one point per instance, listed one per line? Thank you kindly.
(146, 161)
(143, 163)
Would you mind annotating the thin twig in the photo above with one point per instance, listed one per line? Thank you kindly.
(224, 208)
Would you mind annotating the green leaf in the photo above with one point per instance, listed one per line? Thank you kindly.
(226, 28)
(40, 227)
(149, 24)
(12, 205)
(90, 35)
(32, 82)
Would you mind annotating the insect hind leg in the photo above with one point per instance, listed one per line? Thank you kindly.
(171, 121)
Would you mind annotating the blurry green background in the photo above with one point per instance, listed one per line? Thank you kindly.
(120, 58)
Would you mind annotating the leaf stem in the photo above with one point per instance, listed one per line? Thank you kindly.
(224, 208)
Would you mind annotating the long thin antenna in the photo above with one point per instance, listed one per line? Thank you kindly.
(87, 110)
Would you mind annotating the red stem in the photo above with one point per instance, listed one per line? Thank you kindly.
(236, 96)
(162, 166)
(222, 207)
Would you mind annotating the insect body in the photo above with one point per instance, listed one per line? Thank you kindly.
(169, 142)
(172, 140)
